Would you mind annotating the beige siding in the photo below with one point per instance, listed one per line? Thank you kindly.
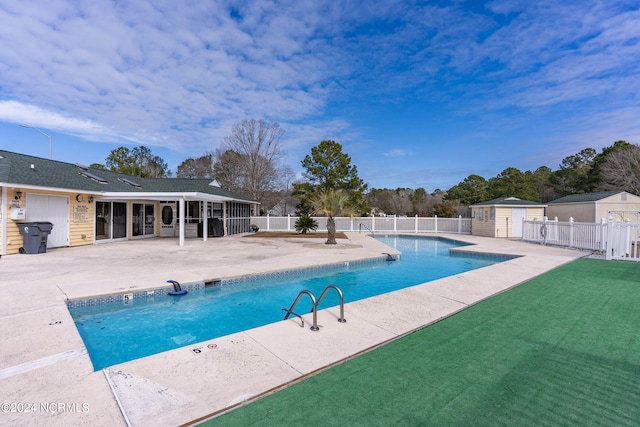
(535, 213)
(482, 226)
(14, 238)
(595, 211)
(500, 224)
(80, 231)
(580, 212)
(616, 203)
(503, 221)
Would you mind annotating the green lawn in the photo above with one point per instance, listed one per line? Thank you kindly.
(561, 349)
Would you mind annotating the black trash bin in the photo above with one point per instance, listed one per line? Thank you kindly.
(34, 236)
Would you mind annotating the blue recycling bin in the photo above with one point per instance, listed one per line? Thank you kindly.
(34, 236)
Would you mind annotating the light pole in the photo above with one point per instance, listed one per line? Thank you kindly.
(48, 136)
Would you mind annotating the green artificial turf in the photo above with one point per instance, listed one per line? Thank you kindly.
(561, 349)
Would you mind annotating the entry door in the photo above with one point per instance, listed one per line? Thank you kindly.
(111, 220)
(144, 219)
(54, 209)
(517, 216)
(168, 219)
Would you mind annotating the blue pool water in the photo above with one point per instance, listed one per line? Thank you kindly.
(115, 333)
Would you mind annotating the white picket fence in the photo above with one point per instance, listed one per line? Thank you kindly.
(373, 224)
(618, 240)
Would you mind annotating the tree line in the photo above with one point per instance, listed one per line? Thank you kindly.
(249, 162)
(616, 167)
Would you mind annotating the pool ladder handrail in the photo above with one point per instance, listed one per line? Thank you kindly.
(361, 225)
(314, 308)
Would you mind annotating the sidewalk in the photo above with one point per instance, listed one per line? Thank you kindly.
(43, 361)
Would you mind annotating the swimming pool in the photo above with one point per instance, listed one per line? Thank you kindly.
(115, 332)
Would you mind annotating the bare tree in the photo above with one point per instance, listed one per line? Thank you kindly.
(253, 168)
(621, 170)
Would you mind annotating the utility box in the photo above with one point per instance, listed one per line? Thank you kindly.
(17, 213)
(34, 236)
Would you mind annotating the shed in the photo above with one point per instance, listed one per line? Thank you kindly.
(592, 207)
(503, 217)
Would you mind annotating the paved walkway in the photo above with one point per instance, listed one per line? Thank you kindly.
(46, 376)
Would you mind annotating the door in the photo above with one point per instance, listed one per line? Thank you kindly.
(168, 219)
(111, 220)
(517, 216)
(54, 209)
(143, 219)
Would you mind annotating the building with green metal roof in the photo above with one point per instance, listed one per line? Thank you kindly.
(87, 205)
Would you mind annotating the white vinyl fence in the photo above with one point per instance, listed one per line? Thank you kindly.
(579, 235)
(623, 240)
(372, 224)
(618, 240)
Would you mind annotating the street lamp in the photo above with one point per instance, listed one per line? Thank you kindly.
(48, 136)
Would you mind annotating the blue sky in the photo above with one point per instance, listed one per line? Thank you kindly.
(419, 93)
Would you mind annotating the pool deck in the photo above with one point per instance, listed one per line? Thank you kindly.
(46, 376)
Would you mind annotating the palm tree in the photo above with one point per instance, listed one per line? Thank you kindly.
(332, 203)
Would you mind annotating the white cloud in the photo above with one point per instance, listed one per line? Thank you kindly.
(397, 152)
(179, 75)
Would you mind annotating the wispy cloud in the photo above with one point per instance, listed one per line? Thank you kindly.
(179, 75)
(397, 152)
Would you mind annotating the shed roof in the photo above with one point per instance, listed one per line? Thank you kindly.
(22, 170)
(585, 197)
(509, 201)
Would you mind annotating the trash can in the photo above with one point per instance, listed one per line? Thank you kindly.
(34, 236)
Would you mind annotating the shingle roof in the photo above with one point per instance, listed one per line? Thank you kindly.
(508, 201)
(20, 169)
(585, 197)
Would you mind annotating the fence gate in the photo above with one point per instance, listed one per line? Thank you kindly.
(623, 241)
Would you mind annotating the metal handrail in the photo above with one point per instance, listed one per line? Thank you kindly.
(295, 314)
(314, 327)
(361, 225)
(314, 308)
(341, 319)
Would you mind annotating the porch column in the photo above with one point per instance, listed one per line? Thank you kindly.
(225, 232)
(181, 221)
(205, 220)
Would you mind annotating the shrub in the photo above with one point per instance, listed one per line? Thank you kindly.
(306, 223)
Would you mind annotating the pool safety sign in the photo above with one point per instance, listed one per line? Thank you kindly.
(204, 349)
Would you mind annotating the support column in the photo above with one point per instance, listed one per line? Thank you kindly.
(205, 220)
(181, 221)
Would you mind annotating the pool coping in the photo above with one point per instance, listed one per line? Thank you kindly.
(181, 386)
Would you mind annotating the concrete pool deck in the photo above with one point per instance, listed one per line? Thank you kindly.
(46, 376)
